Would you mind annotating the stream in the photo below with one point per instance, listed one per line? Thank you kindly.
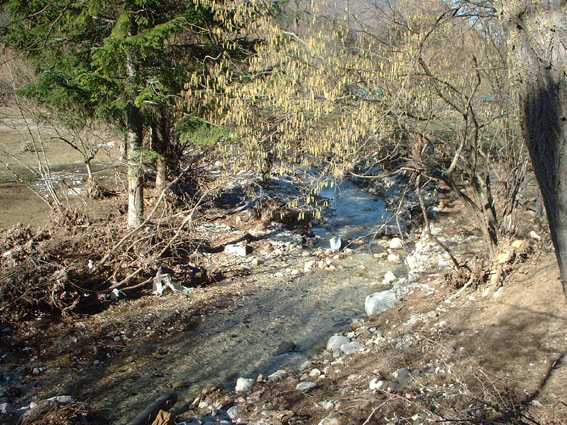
(280, 319)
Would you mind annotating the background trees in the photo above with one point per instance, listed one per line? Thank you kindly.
(415, 84)
(124, 63)
(422, 84)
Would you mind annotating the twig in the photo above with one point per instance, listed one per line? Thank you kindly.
(127, 278)
(137, 285)
(136, 229)
(373, 412)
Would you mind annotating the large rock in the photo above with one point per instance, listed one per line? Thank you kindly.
(6, 408)
(306, 386)
(396, 243)
(240, 249)
(336, 342)
(352, 347)
(243, 385)
(390, 277)
(335, 243)
(233, 412)
(393, 258)
(380, 301)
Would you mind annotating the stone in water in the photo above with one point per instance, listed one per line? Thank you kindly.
(335, 243)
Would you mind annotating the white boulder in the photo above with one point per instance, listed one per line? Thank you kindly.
(396, 243)
(335, 243)
(336, 342)
(380, 301)
(240, 249)
(352, 347)
(393, 258)
(390, 277)
(306, 386)
(243, 385)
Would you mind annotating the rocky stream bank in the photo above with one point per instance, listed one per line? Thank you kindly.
(296, 336)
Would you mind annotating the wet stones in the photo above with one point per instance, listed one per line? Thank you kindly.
(286, 347)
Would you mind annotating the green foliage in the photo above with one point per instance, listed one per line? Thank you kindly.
(93, 58)
(193, 129)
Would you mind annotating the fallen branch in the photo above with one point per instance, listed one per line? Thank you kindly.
(186, 220)
(147, 416)
(373, 413)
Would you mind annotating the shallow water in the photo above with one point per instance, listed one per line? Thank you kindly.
(354, 213)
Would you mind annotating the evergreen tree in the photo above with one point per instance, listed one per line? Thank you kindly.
(124, 62)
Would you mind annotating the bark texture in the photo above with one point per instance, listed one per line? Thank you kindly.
(537, 37)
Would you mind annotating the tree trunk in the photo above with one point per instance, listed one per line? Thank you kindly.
(161, 173)
(135, 171)
(537, 32)
(134, 138)
(487, 213)
(161, 146)
(92, 186)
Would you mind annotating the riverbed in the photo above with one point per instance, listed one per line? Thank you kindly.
(283, 314)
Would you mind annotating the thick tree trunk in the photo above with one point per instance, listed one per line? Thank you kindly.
(537, 37)
(135, 171)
